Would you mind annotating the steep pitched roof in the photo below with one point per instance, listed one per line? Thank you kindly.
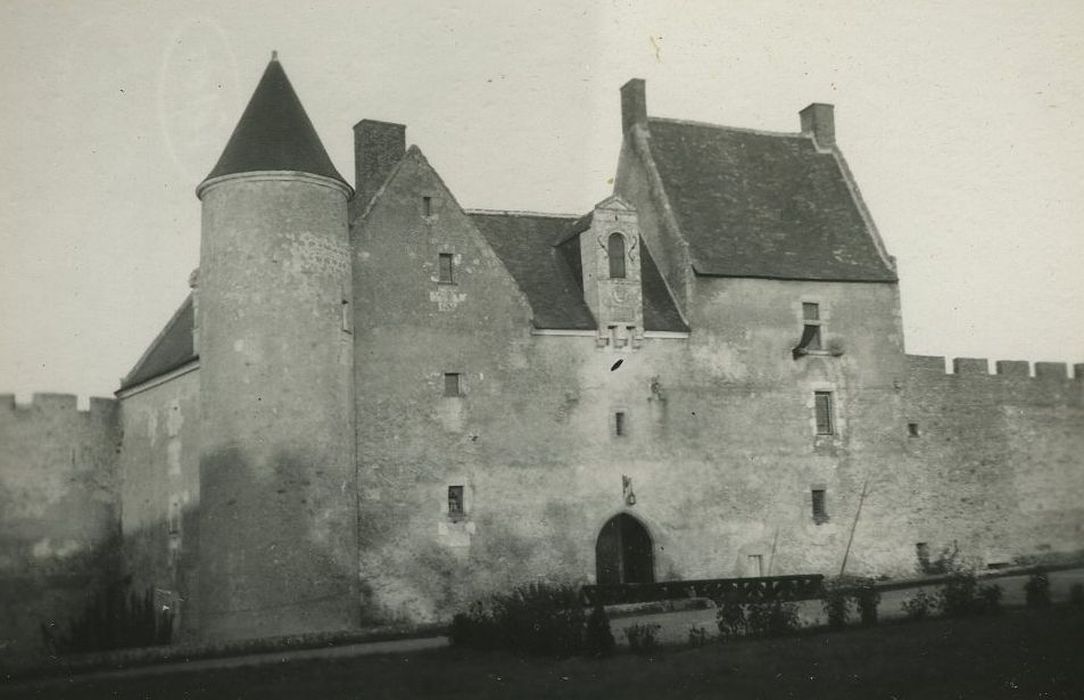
(525, 244)
(542, 253)
(756, 204)
(172, 348)
(275, 133)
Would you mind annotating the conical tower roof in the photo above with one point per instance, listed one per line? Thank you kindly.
(274, 133)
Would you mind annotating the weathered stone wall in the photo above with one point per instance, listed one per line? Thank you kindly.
(278, 498)
(1000, 457)
(58, 512)
(720, 442)
(159, 488)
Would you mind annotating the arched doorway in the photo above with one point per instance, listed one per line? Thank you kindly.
(623, 552)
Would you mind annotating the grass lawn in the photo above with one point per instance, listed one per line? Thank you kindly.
(1019, 654)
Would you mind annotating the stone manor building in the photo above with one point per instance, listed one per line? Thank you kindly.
(377, 405)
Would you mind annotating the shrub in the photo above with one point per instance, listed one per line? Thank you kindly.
(598, 639)
(918, 606)
(1037, 590)
(868, 599)
(957, 597)
(772, 619)
(947, 562)
(116, 618)
(837, 606)
(731, 620)
(643, 638)
(988, 600)
(539, 618)
(698, 636)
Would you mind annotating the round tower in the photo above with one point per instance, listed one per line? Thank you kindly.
(277, 512)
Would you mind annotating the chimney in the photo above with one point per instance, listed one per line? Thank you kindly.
(818, 120)
(633, 104)
(378, 146)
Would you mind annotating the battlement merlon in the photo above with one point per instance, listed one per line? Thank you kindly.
(980, 366)
(98, 408)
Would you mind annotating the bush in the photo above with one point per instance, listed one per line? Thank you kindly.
(598, 639)
(957, 597)
(918, 606)
(542, 619)
(772, 619)
(642, 638)
(868, 599)
(947, 562)
(698, 636)
(731, 620)
(1037, 590)
(988, 600)
(114, 619)
(837, 606)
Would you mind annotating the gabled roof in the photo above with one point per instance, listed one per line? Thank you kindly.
(542, 253)
(275, 133)
(171, 349)
(757, 204)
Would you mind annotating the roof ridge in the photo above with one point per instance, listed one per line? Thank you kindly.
(520, 212)
(742, 129)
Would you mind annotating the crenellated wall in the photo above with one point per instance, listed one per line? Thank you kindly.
(58, 511)
(1000, 456)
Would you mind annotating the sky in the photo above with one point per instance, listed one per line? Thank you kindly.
(962, 122)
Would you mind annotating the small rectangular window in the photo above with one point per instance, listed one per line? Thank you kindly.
(922, 551)
(823, 407)
(820, 508)
(811, 312)
(451, 384)
(620, 426)
(446, 265)
(427, 206)
(912, 429)
(455, 502)
(174, 519)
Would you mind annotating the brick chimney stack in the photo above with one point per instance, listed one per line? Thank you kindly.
(819, 120)
(633, 104)
(378, 146)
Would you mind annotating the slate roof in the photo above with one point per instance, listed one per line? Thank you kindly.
(543, 257)
(172, 348)
(756, 204)
(275, 133)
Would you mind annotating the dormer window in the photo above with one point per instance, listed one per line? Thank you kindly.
(615, 249)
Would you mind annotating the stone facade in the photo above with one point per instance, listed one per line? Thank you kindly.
(381, 409)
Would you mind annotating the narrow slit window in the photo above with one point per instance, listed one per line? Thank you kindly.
(446, 268)
(820, 508)
(620, 424)
(455, 502)
(822, 403)
(345, 312)
(615, 250)
(452, 385)
(427, 206)
(912, 429)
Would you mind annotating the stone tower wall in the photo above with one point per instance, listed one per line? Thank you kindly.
(277, 516)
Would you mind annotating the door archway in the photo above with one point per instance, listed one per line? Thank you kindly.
(624, 552)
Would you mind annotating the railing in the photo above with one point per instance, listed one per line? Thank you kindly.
(740, 590)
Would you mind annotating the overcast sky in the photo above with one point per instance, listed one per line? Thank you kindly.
(962, 122)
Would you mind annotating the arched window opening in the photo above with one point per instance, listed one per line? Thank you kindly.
(615, 248)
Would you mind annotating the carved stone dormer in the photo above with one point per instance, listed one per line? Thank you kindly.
(610, 252)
